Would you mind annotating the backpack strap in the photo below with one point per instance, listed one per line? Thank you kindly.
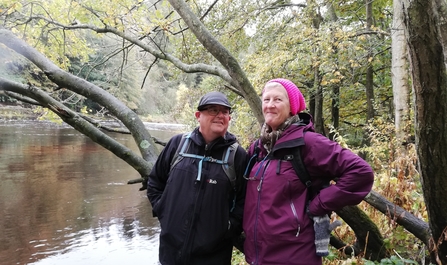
(230, 171)
(252, 160)
(298, 166)
(294, 158)
(296, 161)
(227, 161)
(182, 147)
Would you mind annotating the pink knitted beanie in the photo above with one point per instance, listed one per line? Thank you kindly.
(296, 99)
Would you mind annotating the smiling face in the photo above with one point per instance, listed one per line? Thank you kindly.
(275, 105)
(211, 126)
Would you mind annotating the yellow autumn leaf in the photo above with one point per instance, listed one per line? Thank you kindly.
(335, 80)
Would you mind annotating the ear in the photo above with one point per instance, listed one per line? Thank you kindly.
(197, 114)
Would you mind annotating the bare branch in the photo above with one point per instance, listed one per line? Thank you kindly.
(187, 68)
(21, 98)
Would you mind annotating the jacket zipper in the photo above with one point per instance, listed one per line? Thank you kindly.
(258, 206)
(257, 171)
(292, 206)
(186, 249)
(185, 253)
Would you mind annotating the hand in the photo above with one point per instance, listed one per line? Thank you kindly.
(144, 183)
(323, 229)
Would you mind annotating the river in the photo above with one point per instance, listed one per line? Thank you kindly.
(65, 200)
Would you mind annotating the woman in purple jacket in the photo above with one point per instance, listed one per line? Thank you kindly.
(278, 217)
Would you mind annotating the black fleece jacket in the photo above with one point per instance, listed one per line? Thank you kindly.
(197, 217)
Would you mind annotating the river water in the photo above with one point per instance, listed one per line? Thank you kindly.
(65, 200)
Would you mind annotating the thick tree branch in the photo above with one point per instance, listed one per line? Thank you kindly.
(239, 79)
(63, 79)
(79, 123)
(368, 235)
(21, 98)
(414, 225)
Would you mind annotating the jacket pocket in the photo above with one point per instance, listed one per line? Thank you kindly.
(294, 213)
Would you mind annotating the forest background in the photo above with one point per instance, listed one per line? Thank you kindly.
(372, 72)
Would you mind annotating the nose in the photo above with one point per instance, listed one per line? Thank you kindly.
(221, 112)
(270, 104)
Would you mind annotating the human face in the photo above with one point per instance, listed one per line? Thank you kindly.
(213, 126)
(275, 105)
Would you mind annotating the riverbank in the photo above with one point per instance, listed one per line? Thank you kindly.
(12, 112)
(19, 113)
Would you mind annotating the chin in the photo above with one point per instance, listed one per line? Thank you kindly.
(220, 129)
(271, 122)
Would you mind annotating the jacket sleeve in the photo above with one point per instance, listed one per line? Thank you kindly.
(327, 159)
(158, 177)
(236, 214)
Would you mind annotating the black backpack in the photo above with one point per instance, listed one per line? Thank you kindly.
(227, 160)
(297, 163)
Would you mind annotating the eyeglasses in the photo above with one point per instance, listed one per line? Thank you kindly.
(215, 111)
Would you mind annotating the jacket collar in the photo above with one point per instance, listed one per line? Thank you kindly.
(227, 140)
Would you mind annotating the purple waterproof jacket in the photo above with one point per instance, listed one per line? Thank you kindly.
(278, 230)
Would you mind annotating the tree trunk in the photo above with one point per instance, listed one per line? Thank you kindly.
(318, 118)
(335, 102)
(368, 235)
(399, 75)
(430, 95)
(335, 107)
(401, 95)
(369, 79)
(441, 9)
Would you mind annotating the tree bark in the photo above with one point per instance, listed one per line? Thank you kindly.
(404, 218)
(335, 98)
(318, 115)
(399, 75)
(440, 8)
(335, 107)
(430, 95)
(368, 235)
(369, 77)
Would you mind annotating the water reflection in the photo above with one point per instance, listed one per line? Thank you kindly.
(109, 244)
(65, 199)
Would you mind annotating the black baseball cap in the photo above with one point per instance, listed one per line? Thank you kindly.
(213, 98)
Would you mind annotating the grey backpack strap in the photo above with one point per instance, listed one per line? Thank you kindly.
(228, 163)
(183, 146)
